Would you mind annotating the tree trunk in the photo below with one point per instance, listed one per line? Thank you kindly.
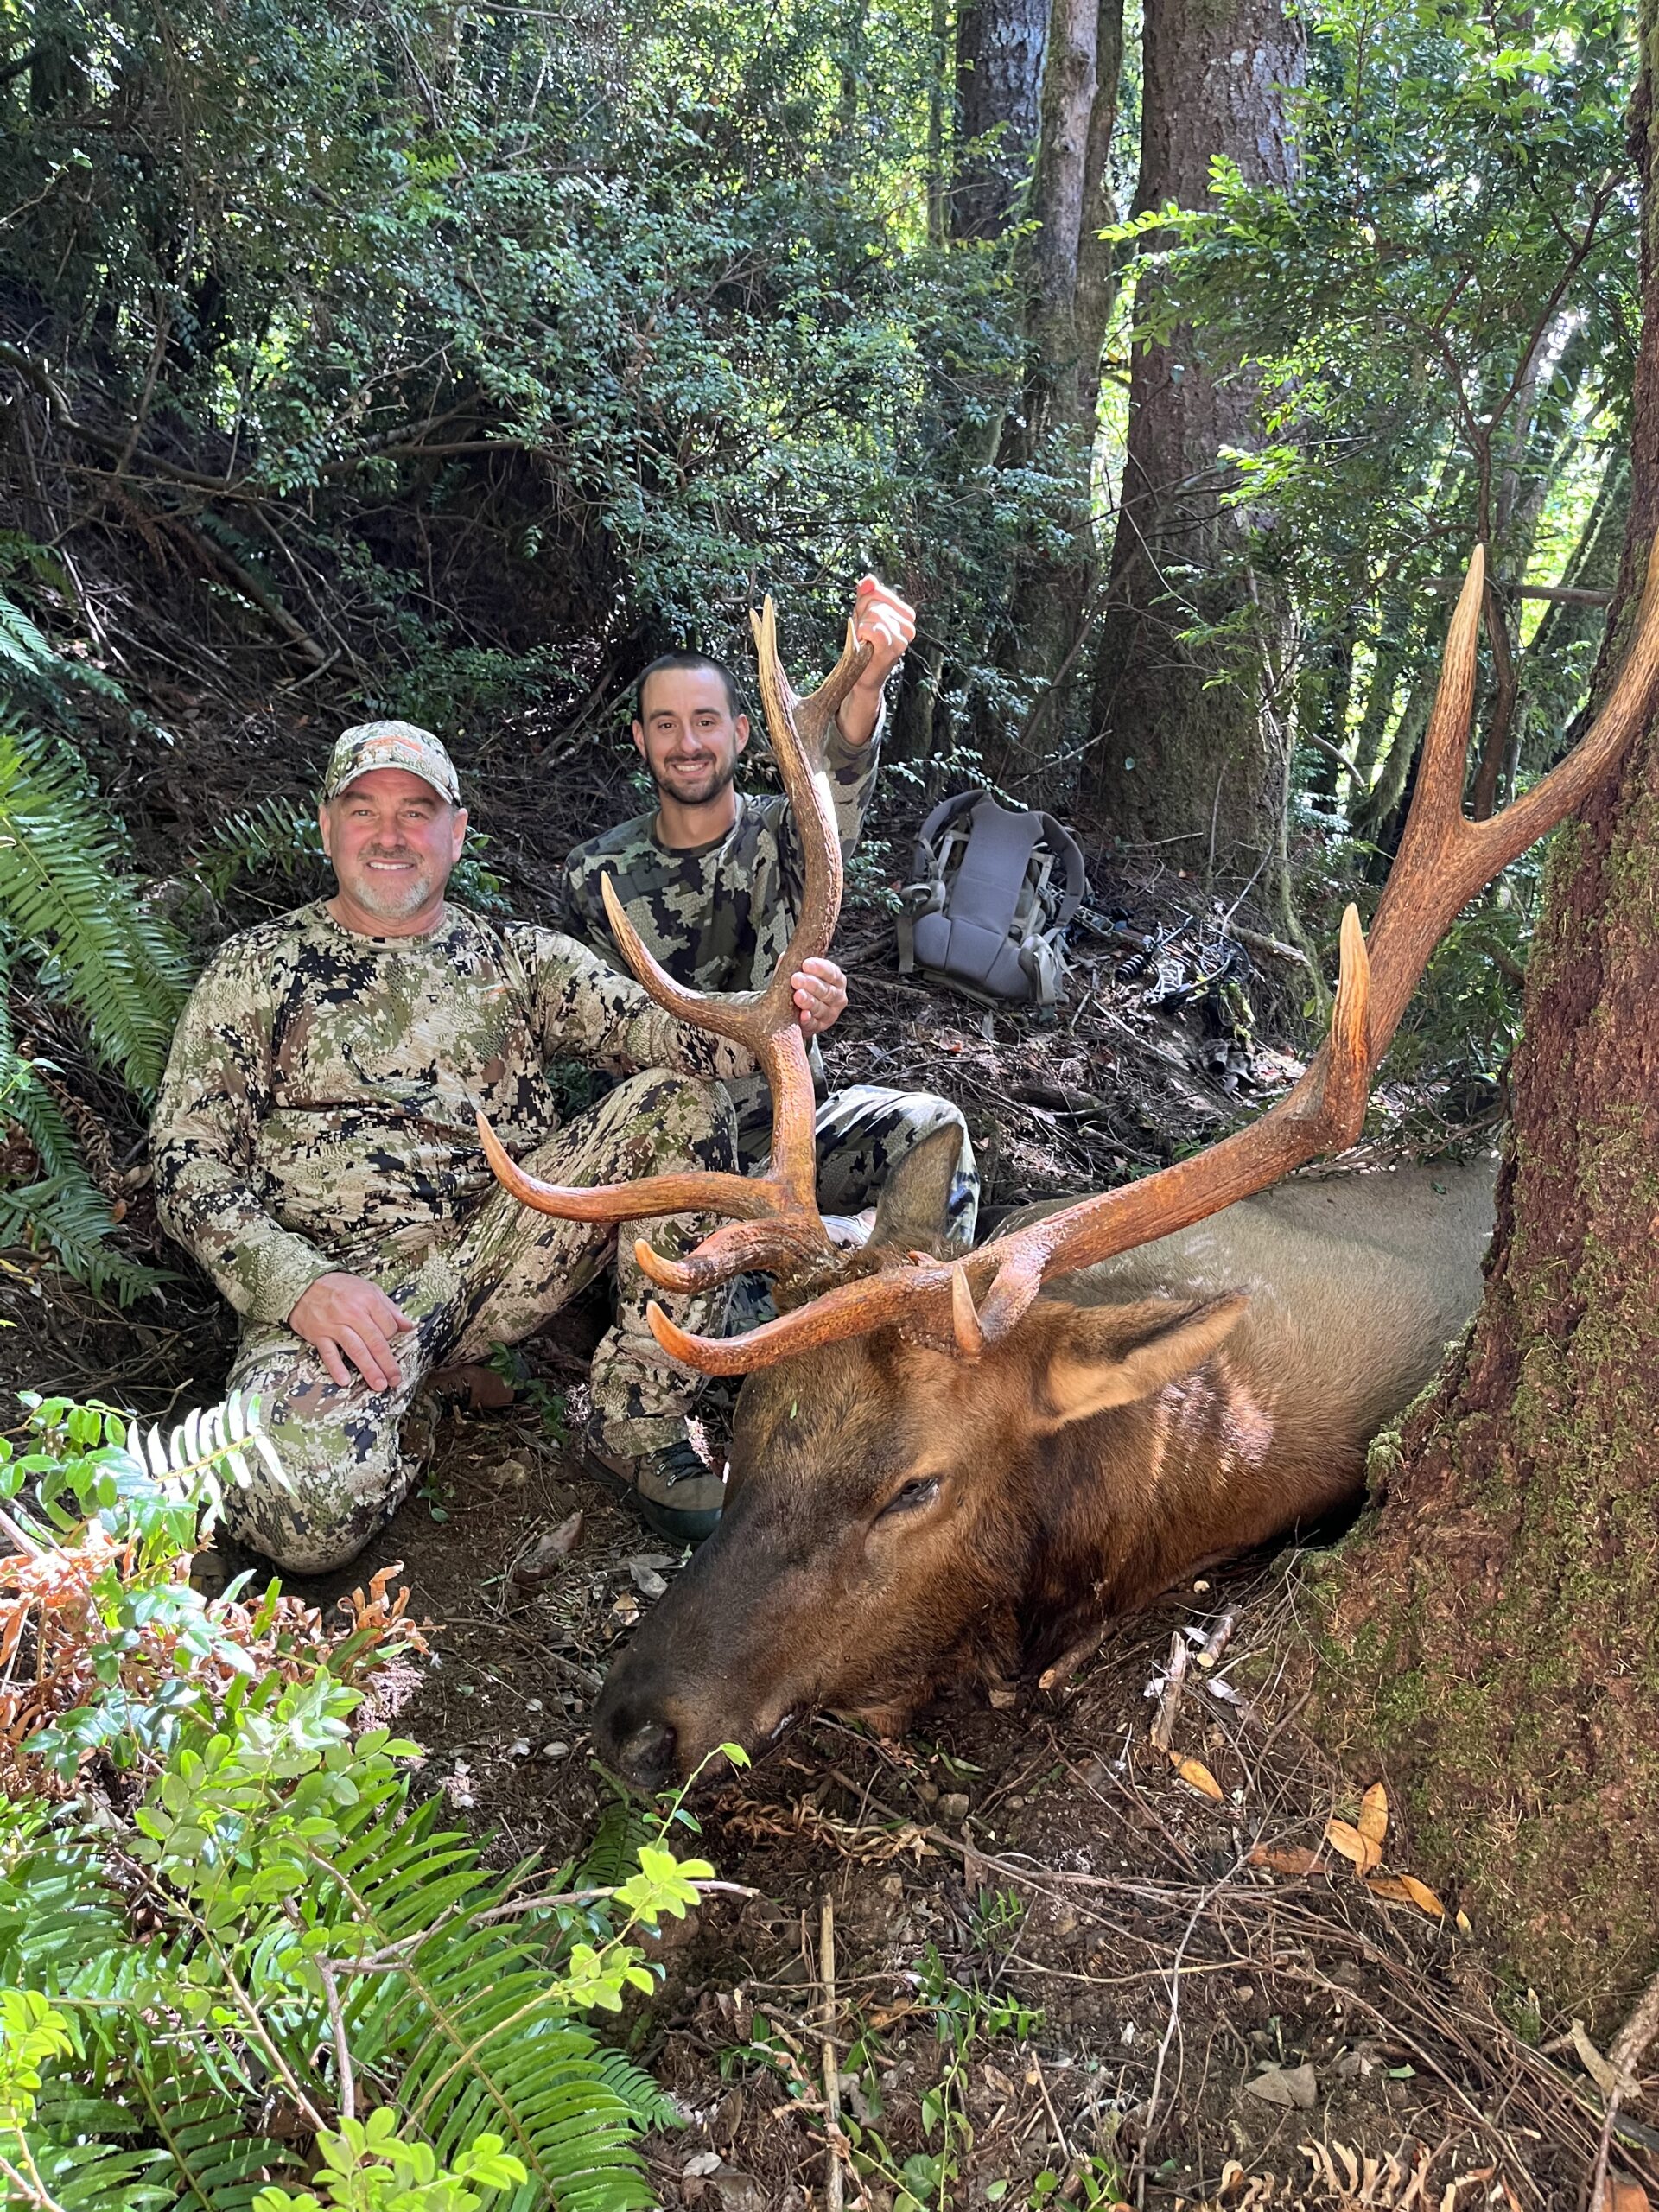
(1069, 285)
(1490, 1639)
(1179, 754)
(999, 81)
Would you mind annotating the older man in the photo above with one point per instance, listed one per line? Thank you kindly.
(314, 1148)
(711, 878)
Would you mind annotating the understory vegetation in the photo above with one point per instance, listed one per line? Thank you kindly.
(229, 1932)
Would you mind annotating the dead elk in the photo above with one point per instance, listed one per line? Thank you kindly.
(948, 1464)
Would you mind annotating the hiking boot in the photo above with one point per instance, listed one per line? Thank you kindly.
(672, 1490)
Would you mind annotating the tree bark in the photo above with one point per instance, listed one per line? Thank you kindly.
(1068, 276)
(1489, 1641)
(999, 80)
(1179, 752)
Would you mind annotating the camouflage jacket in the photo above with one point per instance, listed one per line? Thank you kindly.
(717, 916)
(317, 1102)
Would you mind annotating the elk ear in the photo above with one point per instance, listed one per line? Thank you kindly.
(910, 1210)
(1107, 1356)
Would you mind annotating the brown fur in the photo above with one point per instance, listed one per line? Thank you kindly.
(1184, 1403)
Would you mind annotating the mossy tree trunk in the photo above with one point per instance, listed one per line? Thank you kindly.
(1184, 747)
(1491, 1642)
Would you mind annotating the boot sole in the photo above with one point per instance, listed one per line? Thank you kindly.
(679, 1526)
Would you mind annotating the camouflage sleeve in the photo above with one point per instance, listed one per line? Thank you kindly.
(580, 910)
(852, 784)
(582, 1008)
(202, 1145)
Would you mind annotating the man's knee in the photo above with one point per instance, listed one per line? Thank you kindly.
(343, 1465)
(301, 1546)
(681, 1117)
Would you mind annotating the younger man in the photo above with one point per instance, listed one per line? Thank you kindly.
(712, 880)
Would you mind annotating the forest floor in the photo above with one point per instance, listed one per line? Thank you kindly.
(1063, 1970)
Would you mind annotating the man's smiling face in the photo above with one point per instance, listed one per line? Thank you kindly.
(393, 842)
(689, 738)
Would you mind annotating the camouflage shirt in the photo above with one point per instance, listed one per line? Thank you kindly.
(717, 916)
(317, 1102)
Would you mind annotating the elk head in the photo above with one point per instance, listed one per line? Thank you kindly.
(935, 1470)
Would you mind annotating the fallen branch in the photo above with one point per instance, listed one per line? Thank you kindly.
(1169, 1703)
(833, 2195)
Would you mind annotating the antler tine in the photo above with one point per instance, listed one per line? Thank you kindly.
(1443, 861)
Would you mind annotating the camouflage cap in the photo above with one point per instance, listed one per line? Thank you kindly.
(391, 744)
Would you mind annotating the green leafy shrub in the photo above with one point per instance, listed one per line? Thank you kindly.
(252, 1937)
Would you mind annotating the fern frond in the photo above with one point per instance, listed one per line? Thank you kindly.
(70, 1214)
(31, 664)
(63, 896)
(613, 1854)
(215, 2164)
(275, 837)
(99, 2176)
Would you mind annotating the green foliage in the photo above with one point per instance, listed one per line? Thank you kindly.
(72, 921)
(66, 910)
(269, 1915)
(368, 2169)
(534, 324)
(1439, 309)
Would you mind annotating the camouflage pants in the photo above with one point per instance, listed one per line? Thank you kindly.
(862, 1133)
(495, 1279)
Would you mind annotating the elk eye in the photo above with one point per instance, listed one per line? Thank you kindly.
(922, 1490)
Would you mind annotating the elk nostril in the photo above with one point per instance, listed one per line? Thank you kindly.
(647, 1757)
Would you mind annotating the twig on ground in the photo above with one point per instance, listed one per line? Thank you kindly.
(832, 2174)
(1169, 1703)
(1629, 2048)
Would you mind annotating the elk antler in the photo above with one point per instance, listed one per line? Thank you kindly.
(1443, 861)
(778, 1223)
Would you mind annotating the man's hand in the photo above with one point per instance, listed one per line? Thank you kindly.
(888, 624)
(346, 1318)
(820, 995)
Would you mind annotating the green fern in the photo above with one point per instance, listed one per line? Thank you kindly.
(30, 665)
(276, 838)
(67, 908)
(63, 1209)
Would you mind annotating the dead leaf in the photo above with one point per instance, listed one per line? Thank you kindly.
(1295, 2086)
(1352, 1844)
(1196, 1772)
(1627, 2196)
(1466, 1926)
(543, 1557)
(647, 1580)
(1285, 1862)
(1601, 2071)
(1406, 1888)
(1374, 1814)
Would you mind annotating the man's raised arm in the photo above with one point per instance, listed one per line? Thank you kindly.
(888, 625)
(202, 1144)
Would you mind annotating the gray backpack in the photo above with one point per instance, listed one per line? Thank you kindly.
(995, 889)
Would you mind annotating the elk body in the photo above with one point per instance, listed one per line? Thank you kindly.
(947, 1463)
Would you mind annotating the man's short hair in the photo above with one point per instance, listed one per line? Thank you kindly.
(666, 661)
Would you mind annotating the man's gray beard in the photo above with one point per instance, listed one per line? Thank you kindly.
(388, 906)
